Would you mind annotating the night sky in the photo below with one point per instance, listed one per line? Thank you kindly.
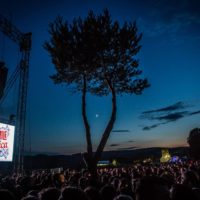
(161, 117)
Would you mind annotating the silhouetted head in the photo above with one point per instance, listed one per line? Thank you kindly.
(58, 179)
(92, 193)
(191, 178)
(50, 194)
(152, 187)
(108, 192)
(123, 197)
(82, 183)
(73, 193)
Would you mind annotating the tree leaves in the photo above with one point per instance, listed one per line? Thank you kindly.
(98, 49)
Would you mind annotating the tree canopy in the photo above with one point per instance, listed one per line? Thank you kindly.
(98, 49)
(194, 141)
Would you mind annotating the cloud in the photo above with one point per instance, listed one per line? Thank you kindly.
(195, 112)
(121, 131)
(173, 107)
(127, 148)
(172, 116)
(114, 145)
(130, 141)
(167, 114)
(147, 128)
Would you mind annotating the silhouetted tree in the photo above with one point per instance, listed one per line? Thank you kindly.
(96, 55)
(194, 142)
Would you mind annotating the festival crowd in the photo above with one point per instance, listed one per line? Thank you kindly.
(169, 181)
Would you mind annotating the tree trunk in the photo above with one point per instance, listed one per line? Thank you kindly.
(86, 124)
(109, 126)
(90, 160)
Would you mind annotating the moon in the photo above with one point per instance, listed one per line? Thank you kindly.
(96, 115)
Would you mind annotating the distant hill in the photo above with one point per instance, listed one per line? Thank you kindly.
(44, 161)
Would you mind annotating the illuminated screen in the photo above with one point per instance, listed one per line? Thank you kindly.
(6, 142)
(103, 163)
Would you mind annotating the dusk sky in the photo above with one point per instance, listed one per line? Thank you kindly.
(170, 58)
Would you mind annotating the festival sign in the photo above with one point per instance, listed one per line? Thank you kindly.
(6, 142)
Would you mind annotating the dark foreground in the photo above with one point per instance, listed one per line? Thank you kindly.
(174, 181)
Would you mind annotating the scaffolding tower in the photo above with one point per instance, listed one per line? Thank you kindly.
(23, 40)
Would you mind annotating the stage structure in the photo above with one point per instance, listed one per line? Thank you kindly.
(21, 73)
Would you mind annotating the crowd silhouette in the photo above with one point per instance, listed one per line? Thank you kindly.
(168, 181)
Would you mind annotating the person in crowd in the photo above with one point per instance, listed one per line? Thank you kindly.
(108, 192)
(50, 193)
(73, 193)
(165, 181)
(92, 193)
(123, 197)
(152, 187)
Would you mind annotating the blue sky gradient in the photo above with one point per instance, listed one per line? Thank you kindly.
(162, 116)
